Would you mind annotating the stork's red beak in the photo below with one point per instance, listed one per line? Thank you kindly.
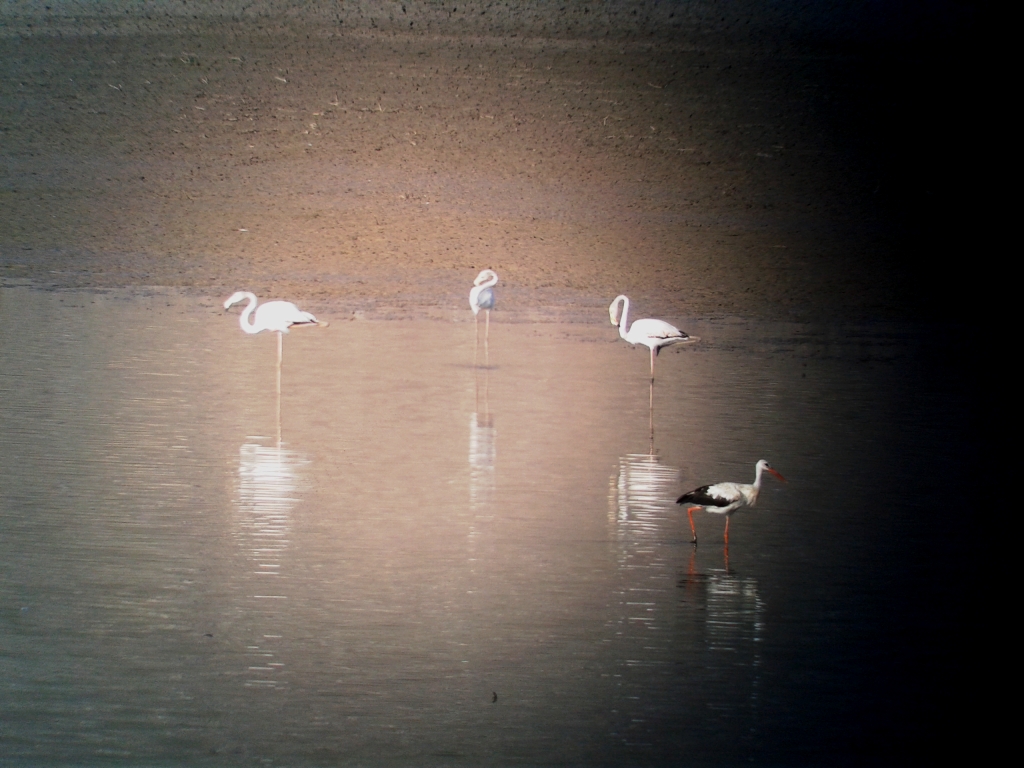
(777, 475)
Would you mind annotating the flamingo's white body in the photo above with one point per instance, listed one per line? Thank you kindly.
(481, 296)
(725, 498)
(271, 316)
(653, 334)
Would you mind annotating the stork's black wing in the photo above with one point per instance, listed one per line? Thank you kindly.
(702, 497)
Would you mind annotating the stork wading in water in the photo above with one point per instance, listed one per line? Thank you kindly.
(653, 334)
(725, 498)
(481, 296)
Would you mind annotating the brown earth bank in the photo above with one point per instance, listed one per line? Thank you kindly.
(363, 163)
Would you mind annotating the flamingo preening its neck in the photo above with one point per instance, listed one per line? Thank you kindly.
(481, 296)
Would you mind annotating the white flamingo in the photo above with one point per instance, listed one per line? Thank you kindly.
(725, 498)
(654, 334)
(481, 296)
(270, 316)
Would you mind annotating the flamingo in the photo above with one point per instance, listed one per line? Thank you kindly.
(654, 334)
(270, 316)
(725, 498)
(481, 296)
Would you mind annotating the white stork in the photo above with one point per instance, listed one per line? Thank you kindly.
(725, 498)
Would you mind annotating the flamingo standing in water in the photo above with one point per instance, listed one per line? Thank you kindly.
(481, 296)
(272, 316)
(725, 498)
(654, 334)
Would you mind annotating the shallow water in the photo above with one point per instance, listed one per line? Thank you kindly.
(407, 559)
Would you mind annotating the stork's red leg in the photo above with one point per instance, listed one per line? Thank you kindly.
(689, 514)
(727, 519)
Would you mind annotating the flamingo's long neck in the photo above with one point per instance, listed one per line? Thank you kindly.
(243, 319)
(622, 318)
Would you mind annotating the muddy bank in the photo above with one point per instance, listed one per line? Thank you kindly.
(378, 170)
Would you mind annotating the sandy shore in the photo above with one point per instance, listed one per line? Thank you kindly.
(379, 170)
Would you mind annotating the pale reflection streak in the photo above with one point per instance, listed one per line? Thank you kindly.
(268, 485)
(734, 626)
(656, 626)
(639, 515)
(640, 522)
(482, 452)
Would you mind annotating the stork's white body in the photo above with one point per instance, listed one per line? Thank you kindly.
(725, 498)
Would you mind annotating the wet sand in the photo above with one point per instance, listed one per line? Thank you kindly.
(364, 167)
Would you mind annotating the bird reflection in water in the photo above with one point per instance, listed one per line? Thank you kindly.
(268, 490)
(642, 640)
(730, 612)
(482, 453)
(641, 518)
(640, 499)
(269, 482)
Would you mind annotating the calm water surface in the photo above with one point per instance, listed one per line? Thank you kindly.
(405, 559)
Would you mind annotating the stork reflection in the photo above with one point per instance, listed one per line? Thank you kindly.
(705, 627)
(731, 614)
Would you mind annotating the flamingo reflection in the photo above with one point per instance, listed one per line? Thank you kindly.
(482, 452)
(269, 480)
(640, 518)
(642, 602)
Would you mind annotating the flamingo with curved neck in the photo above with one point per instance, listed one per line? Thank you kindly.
(653, 334)
(481, 296)
(270, 316)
